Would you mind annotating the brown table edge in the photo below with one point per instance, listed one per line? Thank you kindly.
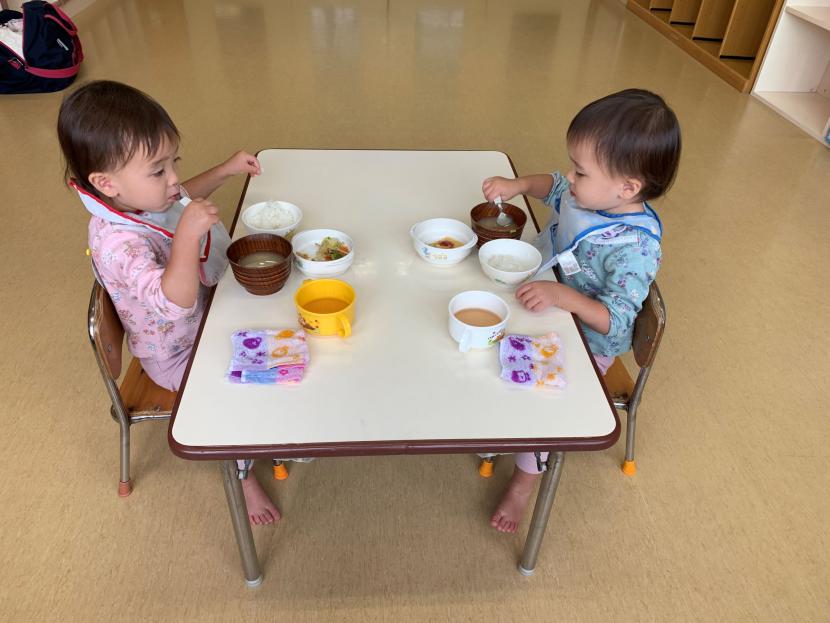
(197, 453)
(369, 448)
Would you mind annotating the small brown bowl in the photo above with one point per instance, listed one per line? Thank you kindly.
(266, 279)
(487, 212)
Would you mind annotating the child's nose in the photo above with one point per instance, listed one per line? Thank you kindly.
(570, 176)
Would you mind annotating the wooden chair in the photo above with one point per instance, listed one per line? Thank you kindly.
(625, 392)
(138, 398)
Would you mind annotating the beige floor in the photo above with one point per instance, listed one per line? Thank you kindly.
(726, 519)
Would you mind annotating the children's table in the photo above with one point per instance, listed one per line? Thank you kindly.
(398, 384)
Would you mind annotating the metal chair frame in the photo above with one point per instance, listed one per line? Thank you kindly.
(106, 334)
(625, 393)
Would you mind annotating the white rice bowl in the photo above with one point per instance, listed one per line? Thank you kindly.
(509, 262)
(272, 217)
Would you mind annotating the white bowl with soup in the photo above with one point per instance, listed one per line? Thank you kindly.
(509, 262)
(442, 241)
(477, 319)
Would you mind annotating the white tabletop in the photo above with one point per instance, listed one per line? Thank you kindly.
(399, 383)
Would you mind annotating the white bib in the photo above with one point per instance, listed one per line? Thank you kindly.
(569, 225)
(214, 243)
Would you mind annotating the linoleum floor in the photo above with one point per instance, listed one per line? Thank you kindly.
(726, 519)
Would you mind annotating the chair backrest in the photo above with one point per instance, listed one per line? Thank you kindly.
(648, 327)
(105, 331)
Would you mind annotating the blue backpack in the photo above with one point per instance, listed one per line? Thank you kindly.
(45, 56)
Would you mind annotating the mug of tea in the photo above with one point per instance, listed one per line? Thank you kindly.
(477, 319)
(325, 307)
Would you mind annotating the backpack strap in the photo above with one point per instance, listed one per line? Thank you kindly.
(67, 72)
(63, 19)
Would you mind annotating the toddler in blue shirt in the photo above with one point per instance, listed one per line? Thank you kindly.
(624, 151)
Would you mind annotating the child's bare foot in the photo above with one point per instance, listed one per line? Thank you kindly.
(261, 510)
(513, 501)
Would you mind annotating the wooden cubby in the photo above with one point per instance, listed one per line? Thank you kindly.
(727, 36)
(794, 78)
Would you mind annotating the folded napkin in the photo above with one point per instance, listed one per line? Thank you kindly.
(532, 361)
(268, 357)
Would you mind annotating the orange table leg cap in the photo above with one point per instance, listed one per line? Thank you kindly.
(280, 472)
(485, 469)
(124, 488)
(629, 468)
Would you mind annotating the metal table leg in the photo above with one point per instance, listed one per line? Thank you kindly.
(241, 526)
(541, 512)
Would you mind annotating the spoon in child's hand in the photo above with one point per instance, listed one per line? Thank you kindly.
(503, 219)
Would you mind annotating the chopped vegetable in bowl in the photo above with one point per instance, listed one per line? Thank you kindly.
(328, 249)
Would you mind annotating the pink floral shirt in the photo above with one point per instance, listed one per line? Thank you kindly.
(131, 263)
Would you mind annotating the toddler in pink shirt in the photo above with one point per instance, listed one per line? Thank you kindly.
(154, 249)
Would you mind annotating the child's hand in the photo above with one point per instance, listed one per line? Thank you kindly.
(539, 295)
(198, 217)
(241, 162)
(494, 187)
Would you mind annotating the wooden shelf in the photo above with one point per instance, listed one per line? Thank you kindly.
(736, 71)
(794, 79)
(749, 21)
(809, 111)
(818, 15)
(712, 19)
(684, 11)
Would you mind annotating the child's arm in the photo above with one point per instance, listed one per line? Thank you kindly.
(180, 280)
(539, 295)
(205, 183)
(627, 272)
(538, 186)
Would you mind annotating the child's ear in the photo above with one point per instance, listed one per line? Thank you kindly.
(103, 183)
(631, 187)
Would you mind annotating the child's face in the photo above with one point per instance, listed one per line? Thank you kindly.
(593, 187)
(146, 183)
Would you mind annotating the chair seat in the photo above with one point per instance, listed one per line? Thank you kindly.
(142, 396)
(619, 383)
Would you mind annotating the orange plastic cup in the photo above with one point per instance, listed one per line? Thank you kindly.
(325, 307)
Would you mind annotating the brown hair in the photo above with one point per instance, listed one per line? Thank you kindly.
(104, 123)
(634, 133)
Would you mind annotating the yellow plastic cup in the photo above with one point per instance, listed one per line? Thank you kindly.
(325, 307)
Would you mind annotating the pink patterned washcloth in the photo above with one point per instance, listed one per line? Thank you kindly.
(268, 357)
(532, 361)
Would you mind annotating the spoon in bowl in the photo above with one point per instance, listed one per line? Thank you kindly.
(503, 219)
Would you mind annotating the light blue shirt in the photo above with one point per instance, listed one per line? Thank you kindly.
(616, 275)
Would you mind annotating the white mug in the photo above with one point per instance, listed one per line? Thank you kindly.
(471, 335)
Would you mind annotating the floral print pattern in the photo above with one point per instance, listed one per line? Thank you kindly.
(131, 261)
(618, 276)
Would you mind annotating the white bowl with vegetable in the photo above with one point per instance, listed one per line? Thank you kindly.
(442, 241)
(509, 262)
(323, 252)
(272, 217)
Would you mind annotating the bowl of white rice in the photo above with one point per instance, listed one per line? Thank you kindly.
(272, 217)
(509, 262)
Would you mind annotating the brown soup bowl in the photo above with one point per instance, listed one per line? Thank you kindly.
(483, 221)
(261, 280)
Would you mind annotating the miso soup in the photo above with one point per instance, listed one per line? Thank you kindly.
(261, 259)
